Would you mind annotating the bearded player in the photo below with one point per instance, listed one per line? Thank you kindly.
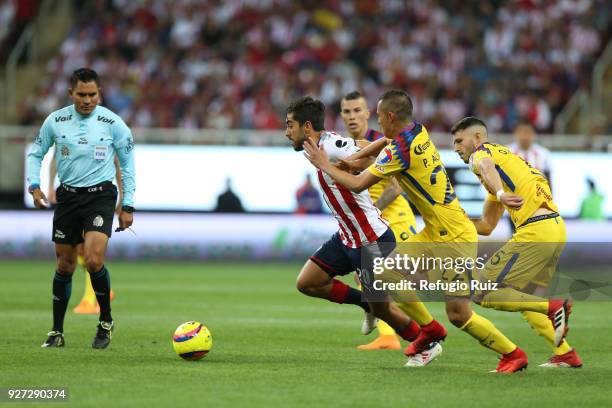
(524, 266)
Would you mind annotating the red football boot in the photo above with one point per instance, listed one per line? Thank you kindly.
(430, 333)
(512, 362)
(567, 360)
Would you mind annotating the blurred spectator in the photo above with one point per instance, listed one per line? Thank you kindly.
(228, 201)
(592, 204)
(526, 147)
(15, 15)
(235, 63)
(308, 199)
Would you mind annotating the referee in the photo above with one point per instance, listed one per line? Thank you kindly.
(87, 137)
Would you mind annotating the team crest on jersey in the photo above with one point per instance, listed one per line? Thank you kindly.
(65, 151)
(385, 156)
(98, 221)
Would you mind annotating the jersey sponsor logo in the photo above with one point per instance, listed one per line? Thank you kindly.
(385, 157)
(63, 118)
(82, 140)
(98, 221)
(420, 148)
(104, 119)
(541, 192)
(65, 151)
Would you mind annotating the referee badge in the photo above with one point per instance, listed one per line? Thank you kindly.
(65, 151)
(98, 221)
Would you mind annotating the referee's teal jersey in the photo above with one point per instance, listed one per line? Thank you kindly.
(85, 149)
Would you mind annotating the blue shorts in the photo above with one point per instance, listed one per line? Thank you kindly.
(337, 259)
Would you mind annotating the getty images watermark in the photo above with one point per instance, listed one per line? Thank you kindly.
(577, 270)
(454, 273)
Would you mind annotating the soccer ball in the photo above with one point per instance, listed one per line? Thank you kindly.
(192, 341)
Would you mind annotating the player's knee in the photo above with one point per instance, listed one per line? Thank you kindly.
(457, 319)
(303, 286)
(94, 262)
(458, 316)
(66, 266)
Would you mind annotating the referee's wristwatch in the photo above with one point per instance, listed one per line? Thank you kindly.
(127, 208)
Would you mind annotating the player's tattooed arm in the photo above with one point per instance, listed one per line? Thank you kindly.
(356, 183)
(493, 183)
(390, 193)
(491, 214)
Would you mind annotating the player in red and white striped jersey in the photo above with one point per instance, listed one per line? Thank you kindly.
(362, 231)
(359, 220)
(525, 146)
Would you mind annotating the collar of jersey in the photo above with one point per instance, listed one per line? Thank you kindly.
(81, 116)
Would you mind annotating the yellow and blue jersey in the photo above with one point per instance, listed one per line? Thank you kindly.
(517, 177)
(415, 162)
(398, 211)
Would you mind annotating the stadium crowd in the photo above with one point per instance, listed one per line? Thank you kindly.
(15, 15)
(236, 63)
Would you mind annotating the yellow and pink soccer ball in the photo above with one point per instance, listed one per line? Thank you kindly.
(192, 341)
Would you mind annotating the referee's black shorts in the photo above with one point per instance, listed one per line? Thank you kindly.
(82, 209)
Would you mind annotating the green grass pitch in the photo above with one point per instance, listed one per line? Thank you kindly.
(272, 346)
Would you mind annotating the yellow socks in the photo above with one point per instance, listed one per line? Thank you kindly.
(543, 326)
(417, 311)
(384, 329)
(487, 334)
(511, 300)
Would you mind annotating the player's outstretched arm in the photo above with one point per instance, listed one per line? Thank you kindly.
(356, 183)
(493, 183)
(491, 214)
(370, 151)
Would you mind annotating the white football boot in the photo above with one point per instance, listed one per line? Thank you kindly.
(426, 357)
(369, 324)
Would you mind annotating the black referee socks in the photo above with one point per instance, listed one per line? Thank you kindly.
(62, 289)
(100, 281)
